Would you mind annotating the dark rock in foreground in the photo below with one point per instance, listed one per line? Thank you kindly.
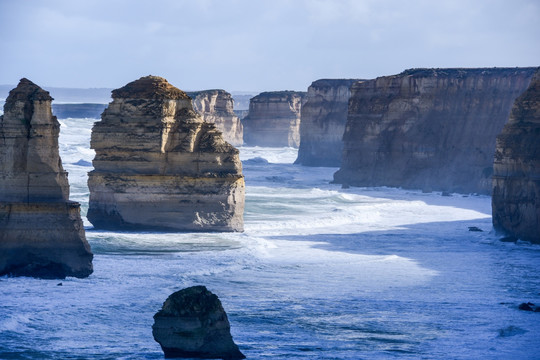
(516, 177)
(193, 324)
(41, 231)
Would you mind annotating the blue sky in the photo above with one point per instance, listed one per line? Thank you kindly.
(257, 45)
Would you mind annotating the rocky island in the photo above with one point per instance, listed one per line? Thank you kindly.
(216, 106)
(516, 175)
(324, 116)
(274, 119)
(41, 231)
(429, 129)
(159, 166)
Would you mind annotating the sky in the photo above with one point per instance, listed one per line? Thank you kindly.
(257, 45)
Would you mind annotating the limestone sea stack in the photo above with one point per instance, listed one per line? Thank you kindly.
(516, 170)
(216, 106)
(324, 116)
(429, 129)
(41, 231)
(159, 166)
(193, 324)
(274, 119)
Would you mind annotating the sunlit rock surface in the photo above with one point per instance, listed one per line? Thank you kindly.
(216, 106)
(158, 165)
(193, 324)
(324, 116)
(274, 119)
(41, 231)
(429, 129)
(516, 175)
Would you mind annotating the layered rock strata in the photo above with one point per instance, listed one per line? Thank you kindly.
(216, 106)
(274, 119)
(324, 116)
(516, 169)
(429, 129)
(193, 324)
(158, 165)
(41, 231)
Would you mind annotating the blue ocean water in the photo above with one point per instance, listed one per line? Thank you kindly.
(319, 273)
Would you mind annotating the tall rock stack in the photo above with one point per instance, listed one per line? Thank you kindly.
(429, 129)
(274, 119)
(516, 176)
(41, 231)
(159, 166)
(216, 106)
(324, 116)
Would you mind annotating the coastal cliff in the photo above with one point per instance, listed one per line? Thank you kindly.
(274, 119)
(41, 231)
(324, 116)
(429, 129)
(158, 165)
(216, 106)
(516, 175)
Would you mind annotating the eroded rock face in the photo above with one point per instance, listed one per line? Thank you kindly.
(158, 165)
(216, 107)
(429, 129)
(516, 169)
(274, 119)
(324, 116)
(41, 231)
(193, 324)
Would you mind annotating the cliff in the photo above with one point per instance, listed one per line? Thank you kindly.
(324, 116)
(516, 169)
(430, 129)
(158, 165)
(216, 106)
(41, 231)
(274, 119)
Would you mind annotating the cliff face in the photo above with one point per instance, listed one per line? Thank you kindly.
(430, 129)
(158, 165)
(324, 116)
(516, 169)
(216, 106)
(41, 231)
(274, 119)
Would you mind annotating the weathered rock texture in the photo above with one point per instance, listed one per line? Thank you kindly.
(216, 106)
(324, 116)
(193, 324)
(516, 175)
(158, 165)
(429, 129)
(274, 119)
(41, 232)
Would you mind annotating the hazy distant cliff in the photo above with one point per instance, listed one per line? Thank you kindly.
(158, 165)
(516, 176)
(216, 106)
(431, 129)
(324, 116)
(274, 119)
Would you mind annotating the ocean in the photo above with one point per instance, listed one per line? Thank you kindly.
(320, 272)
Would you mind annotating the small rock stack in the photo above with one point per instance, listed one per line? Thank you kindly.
(41, 231)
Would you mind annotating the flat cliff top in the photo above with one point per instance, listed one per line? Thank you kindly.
(462, 72)
(27, 91)
(278, 94)
(194, 94)
(149, 87)
(334, 82)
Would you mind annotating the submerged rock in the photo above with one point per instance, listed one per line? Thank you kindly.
(274, 119)
(193, 324)
(429, 129)
(158, 165)
(216, 106)
(41, 231)
(516, 176)
(324, 116)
